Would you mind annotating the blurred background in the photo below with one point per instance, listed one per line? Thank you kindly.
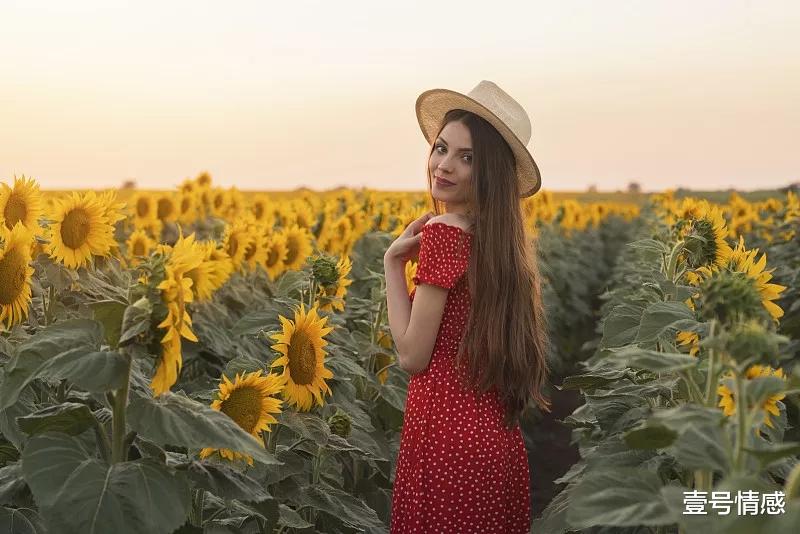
(274, 96)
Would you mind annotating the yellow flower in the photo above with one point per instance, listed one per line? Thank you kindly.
(236, 240)
(744, 261)
(176, 293)
(276, 255)
(303, 358)
(338, 290)
(138, 244)
(80, 229)
(770, 406)
(248, 401)
(692, 339)
(22, 203)
(15, 273)
(298, 246)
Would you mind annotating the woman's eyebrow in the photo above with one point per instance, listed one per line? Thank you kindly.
(459, 150)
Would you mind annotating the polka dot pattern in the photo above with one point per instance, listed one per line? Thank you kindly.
(459, 470)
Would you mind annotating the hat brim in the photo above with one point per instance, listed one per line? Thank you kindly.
(431, 107)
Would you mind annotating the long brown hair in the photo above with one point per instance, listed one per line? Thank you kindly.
(506, 342)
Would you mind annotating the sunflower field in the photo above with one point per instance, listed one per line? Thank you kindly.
(209, 360)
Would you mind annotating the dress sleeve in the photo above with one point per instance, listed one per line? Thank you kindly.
(443, 255)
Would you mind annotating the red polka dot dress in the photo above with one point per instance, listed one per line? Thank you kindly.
(459, 470)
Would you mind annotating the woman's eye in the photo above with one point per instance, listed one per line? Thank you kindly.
(468, 158)
(438, 147)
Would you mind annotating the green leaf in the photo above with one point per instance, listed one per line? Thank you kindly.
(652, 360)
(394, 395)
(593, 379)
(768, 453)
(621, 325)
(619, 497)
(55, 340)
(11, 483)
(307, 425)
(20, 521)
(650, 245)
(350, 510)
(135, 320)
(702, 447)
(95, 372)
(650, 437)
(224, 482)
(292, 519)
(80, 494)
(69, 417)
(109, 313)
(660, 316)
(175, 419)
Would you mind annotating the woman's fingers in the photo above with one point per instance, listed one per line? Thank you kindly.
(417, 225)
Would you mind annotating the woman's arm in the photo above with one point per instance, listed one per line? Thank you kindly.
(414, 329)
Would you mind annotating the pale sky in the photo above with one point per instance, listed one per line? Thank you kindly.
(278, 95)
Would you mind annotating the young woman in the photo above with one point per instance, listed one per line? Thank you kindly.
(473, 333)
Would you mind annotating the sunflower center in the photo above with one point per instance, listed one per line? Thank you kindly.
(75, 228)
(258, 209)
(293, 250)
(139, 248)
(15, 211)
(165, 208)
(302, 359)
(249, 251)
(12, 276)
(243, 406)
(272, 257)
(185, 205)
(233, 246)
(142, 207)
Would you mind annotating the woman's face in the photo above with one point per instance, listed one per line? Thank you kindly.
(451, 160)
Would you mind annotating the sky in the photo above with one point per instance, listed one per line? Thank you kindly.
(279, 95)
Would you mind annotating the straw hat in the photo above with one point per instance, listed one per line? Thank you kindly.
(486, 100)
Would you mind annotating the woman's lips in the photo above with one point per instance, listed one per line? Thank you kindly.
(443, 182)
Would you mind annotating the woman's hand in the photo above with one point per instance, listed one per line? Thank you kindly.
(406, 246)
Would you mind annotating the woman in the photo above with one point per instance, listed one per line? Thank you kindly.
(472, 333)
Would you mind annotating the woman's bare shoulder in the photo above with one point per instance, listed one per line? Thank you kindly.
(453, 219)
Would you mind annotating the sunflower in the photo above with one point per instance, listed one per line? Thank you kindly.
(203, 180)
(276, 255)
(770, 406)
(138, 244)
(256, 251)
(260, 209)
(80, 229)
(144, 209)
(187, 208)
(248, 401)
(298, 246)
(709, 246)
(204, 275)
(690, 339)
(22, 203)
(383, 359)
(166, 209)
(337, 290)
(176, 293)
(15, 273)
(744, 261)
(219, 199)
(302, 357)
(410, 272)
(236, 240)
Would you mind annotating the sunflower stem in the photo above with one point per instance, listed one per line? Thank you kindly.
(711, 378)
(102, 440)
(48, 311)
(672, 261)
(118, 423)
(695, 395)
(741, 424)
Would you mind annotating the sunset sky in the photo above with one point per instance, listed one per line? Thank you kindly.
(278, 95)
